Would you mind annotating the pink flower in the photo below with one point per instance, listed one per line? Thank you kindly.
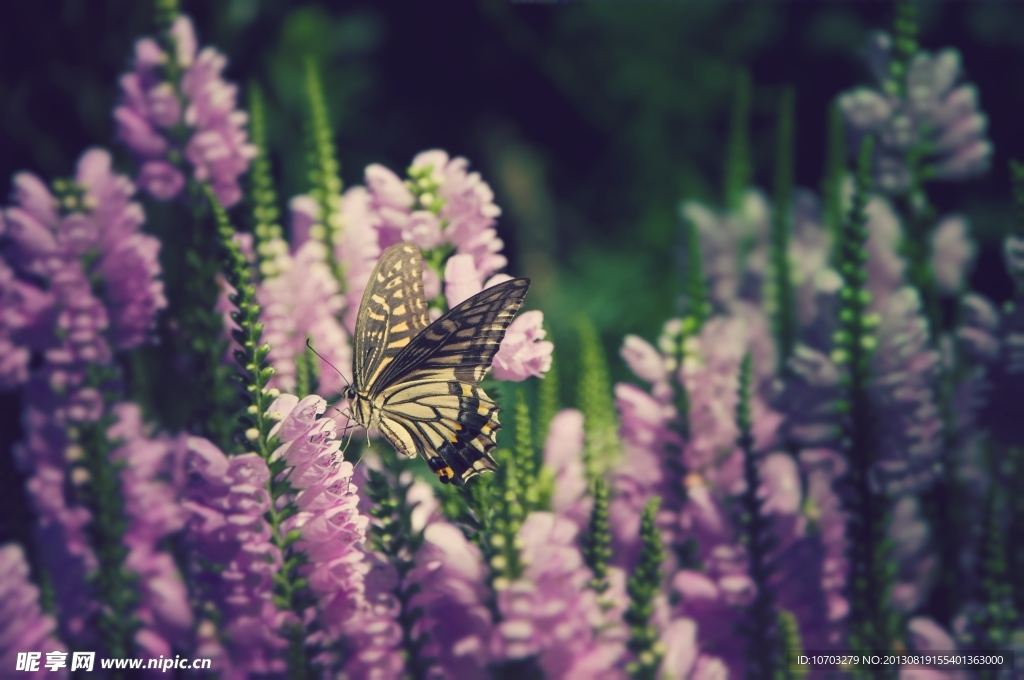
(453, 594)
(217, 148)
(303, 301)
(151, 481)
(357, 249)
(932, 111)
(461, 281)
(523, 352)
(563, 455)
(951, 253)
(720, 235)
(84, 282)
(24, 312)
(226, 500)
(441, 204)
(161, 180)
(105, 225)
(549, 612)
(330, 526)
(23, 626)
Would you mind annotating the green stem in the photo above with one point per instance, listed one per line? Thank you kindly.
(643, 586)
(761, 629)
(782, 226)
(392, 534)
(98, 484)
(266, 215)
(597, 540)
(324, 167)
(739, 167)
(872, 625)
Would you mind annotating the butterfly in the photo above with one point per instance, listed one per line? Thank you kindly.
(418, 384)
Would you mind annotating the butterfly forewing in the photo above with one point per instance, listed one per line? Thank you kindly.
(428, 398)
(393, 312)
(461, 344)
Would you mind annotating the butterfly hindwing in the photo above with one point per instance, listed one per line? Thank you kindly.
(451, 424)
(393, 312)
(461, 344)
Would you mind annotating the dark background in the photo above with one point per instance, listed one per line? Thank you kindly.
(591, 120)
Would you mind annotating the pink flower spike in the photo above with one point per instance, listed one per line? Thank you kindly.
(461, 280)
(524, 352)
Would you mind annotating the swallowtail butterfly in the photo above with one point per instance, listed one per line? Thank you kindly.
(418, 384)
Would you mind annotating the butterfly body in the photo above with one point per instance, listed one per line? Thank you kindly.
(418, 383)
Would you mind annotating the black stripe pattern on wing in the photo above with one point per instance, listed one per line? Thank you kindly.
(451, 424)
(461, 344)
(393, 312)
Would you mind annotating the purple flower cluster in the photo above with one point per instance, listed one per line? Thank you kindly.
(152, 479)
(303, 301)
(284, 568)
(441, 204)
(356, 247)
(328, 519)
(453, 594)
(550, 614)
(84, 282)
(234, 560)
(23, 625)
(724, 233)
(87, 234)
(177, 110)
(928, 113)
(229, 504)
(563, 456)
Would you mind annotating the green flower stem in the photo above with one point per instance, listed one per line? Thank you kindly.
(601, 424)
(760, 628)
(306, 372)
(835, 172)
(537, 481)
(548, 398)
(266, 215)
(392, 535)
(782, 227)
(789, 637)
(323, 168)
(213, 397)
(918, 213)
(739, 167)
(643, 587)
(872, 625)
(904, 47)
(96, 482)
(597, 540)
(252, 424)
(164, 13)
(696, 310)
(992, 624)
(290, 590)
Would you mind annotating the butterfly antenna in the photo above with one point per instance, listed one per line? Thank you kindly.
(310, 346)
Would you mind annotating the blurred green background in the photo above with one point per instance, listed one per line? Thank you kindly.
(590, 120)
